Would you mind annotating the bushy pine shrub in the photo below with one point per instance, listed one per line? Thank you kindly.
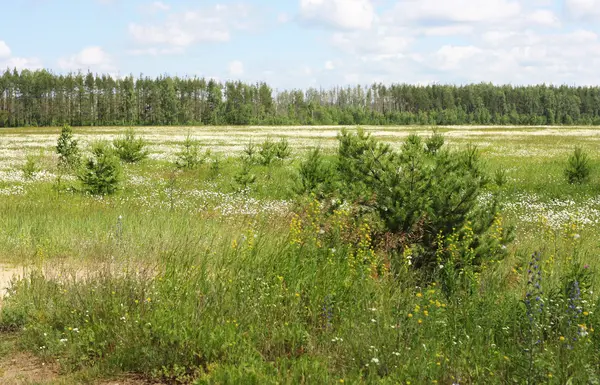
(102, 172)
(250, 152)
(30, 167)
(435, 142)
(244, 177)
(268, 152)
(282, 149)
(314, 174)
(578, 169)
(189, 157)
(421, 197)
(129, 148)
(67, 148)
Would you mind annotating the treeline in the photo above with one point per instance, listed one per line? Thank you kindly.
(41, 98)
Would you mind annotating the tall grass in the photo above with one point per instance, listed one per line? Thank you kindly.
(156, 280)
(259, 308)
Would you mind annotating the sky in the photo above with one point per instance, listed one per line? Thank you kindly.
(310, 43)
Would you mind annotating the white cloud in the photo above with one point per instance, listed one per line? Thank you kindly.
(386, 43)
(458, 41)
(91, 58)
(457, 10)
(4, 50)
(20, 63)
(524, 58)
(210, 24)
(154, 51)
(158, 6)
(583, 9)
(451, 57)
(544, 17)
(236, 68)
(344, 14)
(448, 30)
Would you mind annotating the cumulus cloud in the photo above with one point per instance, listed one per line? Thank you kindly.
(344, 14)
(544, 17)
(7, 60)
(92, 58)
(4, 50)
(457, 10)
(153, 51)
(182, 29)
(458, 41)
(21, 63)
(583, 9)
(236, 68)
(158, 6)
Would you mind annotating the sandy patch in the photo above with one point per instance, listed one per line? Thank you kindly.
(22, 369)
(6, 275)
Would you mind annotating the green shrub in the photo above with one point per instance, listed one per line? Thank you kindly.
(435, 142)
(500, 178)
(282, 149)
(314, 174)
(30, 167)
(67, 148)
(268, 152)
(250, 152)
(244, 177)
(420, 198)
(215, 165)
(101, 173)
(189, 157)
(578, 169)
(129, 148)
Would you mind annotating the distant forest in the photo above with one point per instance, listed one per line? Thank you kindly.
(41, 98)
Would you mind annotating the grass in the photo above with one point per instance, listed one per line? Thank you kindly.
(182, 278)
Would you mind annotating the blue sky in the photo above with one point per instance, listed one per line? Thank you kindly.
(310, 43)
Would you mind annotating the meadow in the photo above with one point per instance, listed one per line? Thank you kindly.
(229, 272)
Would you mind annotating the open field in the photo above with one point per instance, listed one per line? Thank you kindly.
(184, 276)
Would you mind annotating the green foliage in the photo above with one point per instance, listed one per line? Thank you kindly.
(215, 165)
(261, 308)
(250, 152)
(500, 178)
(268, 152)
(244, 177)
(102, 173)
(196, 284)
(435, 142)
(578, 169)
(282, 149)
(67, 149)
(189, 157)
(31, 167)
(420, 196)
(103, 100)
(314, 174)
(4, 115)
(129, 148)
